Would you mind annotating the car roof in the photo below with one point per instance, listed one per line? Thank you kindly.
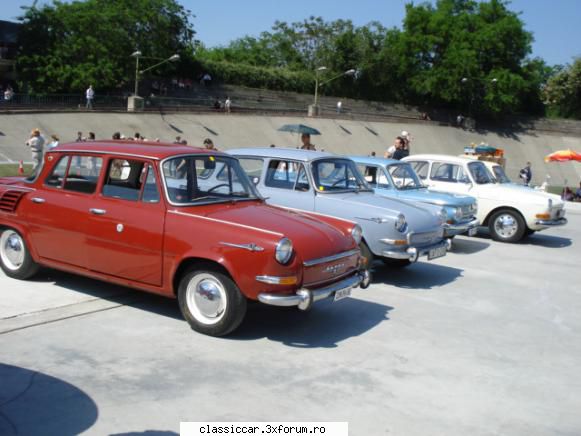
(147, 149)
(374, 160)
(281, 153)
(439, 157)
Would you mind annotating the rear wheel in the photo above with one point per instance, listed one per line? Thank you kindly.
(15, 259)
(210, 301)
(507, 225)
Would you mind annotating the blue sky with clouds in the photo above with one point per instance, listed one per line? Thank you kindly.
(554, 24)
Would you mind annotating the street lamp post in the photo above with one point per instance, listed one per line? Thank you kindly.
(314, 109)
(135, 102)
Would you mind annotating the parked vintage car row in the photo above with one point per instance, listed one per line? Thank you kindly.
(189, 223)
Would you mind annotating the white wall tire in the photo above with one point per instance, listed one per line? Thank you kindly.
(506, 225)
(15, 258)
(210, 301)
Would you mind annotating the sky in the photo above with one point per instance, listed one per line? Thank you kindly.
(555, 24)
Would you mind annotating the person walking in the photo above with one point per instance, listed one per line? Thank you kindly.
(90, 95)
(36, 144)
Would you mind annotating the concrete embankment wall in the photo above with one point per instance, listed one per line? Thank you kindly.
(338, 136)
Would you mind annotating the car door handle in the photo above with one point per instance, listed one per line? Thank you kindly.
(98, 211)
(38, 200)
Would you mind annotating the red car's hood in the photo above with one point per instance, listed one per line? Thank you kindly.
(311, 237)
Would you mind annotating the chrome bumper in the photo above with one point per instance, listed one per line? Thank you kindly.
(304, 298)
(413, 253)
(552, 223)
(457, 229)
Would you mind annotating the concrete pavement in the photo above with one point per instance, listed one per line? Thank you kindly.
(485, 341)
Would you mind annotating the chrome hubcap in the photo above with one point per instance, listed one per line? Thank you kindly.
(12, 250)
(206, 298)
(505, 226)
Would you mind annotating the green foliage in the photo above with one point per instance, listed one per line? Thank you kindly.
(67, 46)
(259, 77)
(563, 91)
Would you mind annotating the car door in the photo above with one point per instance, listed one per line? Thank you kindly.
(126, 223)
(285, 183)
(57, 211)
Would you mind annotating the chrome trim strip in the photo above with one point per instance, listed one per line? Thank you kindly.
(271, 280)
(461, 227)
(321, 260)
(177, 212)
(250, 247)
(18, 187)
(375, 220)
(303, 295)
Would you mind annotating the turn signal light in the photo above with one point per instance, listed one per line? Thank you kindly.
(292, 280)
(543, 216)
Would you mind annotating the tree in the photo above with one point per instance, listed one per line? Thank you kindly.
(470, 40)
(64, 47)
(563, 91)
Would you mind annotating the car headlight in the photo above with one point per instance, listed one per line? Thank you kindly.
(443, 215)
(357, 233)
(284, 251)
(401, 223)
(458, 213)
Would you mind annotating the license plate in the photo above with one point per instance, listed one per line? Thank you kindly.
(434, 253)
(343, 293)
(472, 232)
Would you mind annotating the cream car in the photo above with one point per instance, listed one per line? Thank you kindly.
(509, 212)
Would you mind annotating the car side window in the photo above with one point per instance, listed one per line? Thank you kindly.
(421, 169)
(150, 190)
(446, 172)
(252, 167)
(57, 176)
(124, 179)
(285, 174)
(83, 174)
(374, 176)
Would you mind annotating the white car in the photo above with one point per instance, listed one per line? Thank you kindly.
(509, 212)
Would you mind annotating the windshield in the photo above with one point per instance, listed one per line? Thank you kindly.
(404, 177)
(199, 179)
(500, 175)
(479, 173)
(337, 175)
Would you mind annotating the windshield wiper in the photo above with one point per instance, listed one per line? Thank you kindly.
(194, 200)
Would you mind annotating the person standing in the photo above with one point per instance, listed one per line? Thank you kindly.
(400, 151)
(526, 174)
(339, 106)
(307, 144)
(36, 144)
(54, 143)
(227, 105)
(90, 95)
(209, 145)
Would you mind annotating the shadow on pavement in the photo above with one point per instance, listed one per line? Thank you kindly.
(33, 403)
(547, 241)
(422, 275)
(468, 246)
(324, 326)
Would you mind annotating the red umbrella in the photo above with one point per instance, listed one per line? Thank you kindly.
(563, 156)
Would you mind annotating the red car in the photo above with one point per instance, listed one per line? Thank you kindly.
(177, 221)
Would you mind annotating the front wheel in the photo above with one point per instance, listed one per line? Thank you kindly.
(506, 226)
(15, 258)
(210, 301)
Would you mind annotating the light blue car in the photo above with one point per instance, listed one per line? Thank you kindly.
(396, 179)
(395, 231)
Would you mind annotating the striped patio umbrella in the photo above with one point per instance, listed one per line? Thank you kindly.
(563, 156)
